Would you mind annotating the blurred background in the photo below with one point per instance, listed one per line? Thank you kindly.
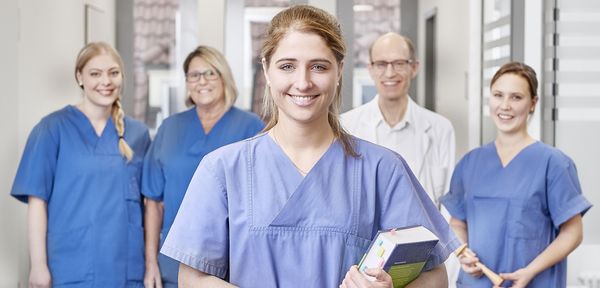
(460, 44)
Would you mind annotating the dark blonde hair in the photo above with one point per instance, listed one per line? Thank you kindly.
(308, 19)
(215, 59)
(520, 69)
(88, 52)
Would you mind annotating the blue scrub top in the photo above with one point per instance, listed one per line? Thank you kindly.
(513, 213)
(249, 215)
(175, 153)
(95, 236)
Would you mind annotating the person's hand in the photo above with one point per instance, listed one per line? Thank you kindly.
(468, 262)
(39, 277)
(519, 278)
(152, 276)
(355, 279)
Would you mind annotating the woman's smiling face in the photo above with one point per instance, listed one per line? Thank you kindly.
(302, 76)
(511, 103)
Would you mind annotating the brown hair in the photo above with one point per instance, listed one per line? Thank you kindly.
(88, 52)
(520, 69)
(215, 59)
(308, 19)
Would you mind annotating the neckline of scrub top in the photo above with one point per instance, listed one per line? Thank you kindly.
(105, 143)
(288, 162)
(199, 121)
(199, 139)
(518, 155)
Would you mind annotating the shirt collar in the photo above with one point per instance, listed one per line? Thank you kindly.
(378, 119)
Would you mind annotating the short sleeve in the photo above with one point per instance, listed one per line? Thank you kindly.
(454, 200)
(35, 175)
(408, 204)
(199, 236)
(153, 178)
(565, 198)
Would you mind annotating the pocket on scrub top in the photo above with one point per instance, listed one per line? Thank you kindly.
(134, 201)
(69, 255)
(487, 227)
(135, 248)
(526, 222)
(133, 190)
(355, 249)
(526, 230)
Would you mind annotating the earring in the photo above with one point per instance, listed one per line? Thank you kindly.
(337, 84)
(268, 83)
(80, 84)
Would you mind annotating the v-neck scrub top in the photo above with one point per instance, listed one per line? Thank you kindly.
(174, 155)
(250, 216)
(95, 236)
(513, 213)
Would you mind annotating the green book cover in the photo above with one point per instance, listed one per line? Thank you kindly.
(402, 252)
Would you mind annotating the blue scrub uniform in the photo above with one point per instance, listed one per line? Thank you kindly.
(95, 236)
(249, 215)
(174, 155)
(514, 212)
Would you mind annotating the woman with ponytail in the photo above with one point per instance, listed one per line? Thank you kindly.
(80, 175)
(298, 205)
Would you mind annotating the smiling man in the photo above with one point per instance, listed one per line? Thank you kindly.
(392, 119)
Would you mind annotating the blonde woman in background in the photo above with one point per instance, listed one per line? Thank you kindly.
(80, 175)
(181, 142)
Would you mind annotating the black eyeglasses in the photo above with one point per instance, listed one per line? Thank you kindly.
(398, 65)
(195, 76)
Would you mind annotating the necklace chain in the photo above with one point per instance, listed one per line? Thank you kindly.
(282, 148)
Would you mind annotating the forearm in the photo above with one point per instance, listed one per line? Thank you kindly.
(569, 237)
(460, 229)
(191, 278)
(153, 220)
(436, 277)
(38, 231)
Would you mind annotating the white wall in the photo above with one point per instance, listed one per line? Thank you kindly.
(36, 80)
(452, 63)
(211, 16)
(12, 231)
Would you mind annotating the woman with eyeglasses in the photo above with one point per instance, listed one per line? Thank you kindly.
(181, 142)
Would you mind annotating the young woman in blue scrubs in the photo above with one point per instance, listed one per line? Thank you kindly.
(516, 201)
(299, 204)
(181, 142)
(80, 173)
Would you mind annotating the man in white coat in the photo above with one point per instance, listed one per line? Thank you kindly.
(392, 119)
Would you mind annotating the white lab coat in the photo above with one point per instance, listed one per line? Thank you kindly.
(434, 145)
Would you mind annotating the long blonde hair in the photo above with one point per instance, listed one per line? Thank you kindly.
(88, 52)
(308, 19)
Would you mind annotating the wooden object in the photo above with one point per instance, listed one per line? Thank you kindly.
(495, 278)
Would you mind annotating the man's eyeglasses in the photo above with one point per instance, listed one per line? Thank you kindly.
(195, 76)
(398, 65)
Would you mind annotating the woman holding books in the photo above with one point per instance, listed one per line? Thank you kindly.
(300, 203)
(516, 201)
